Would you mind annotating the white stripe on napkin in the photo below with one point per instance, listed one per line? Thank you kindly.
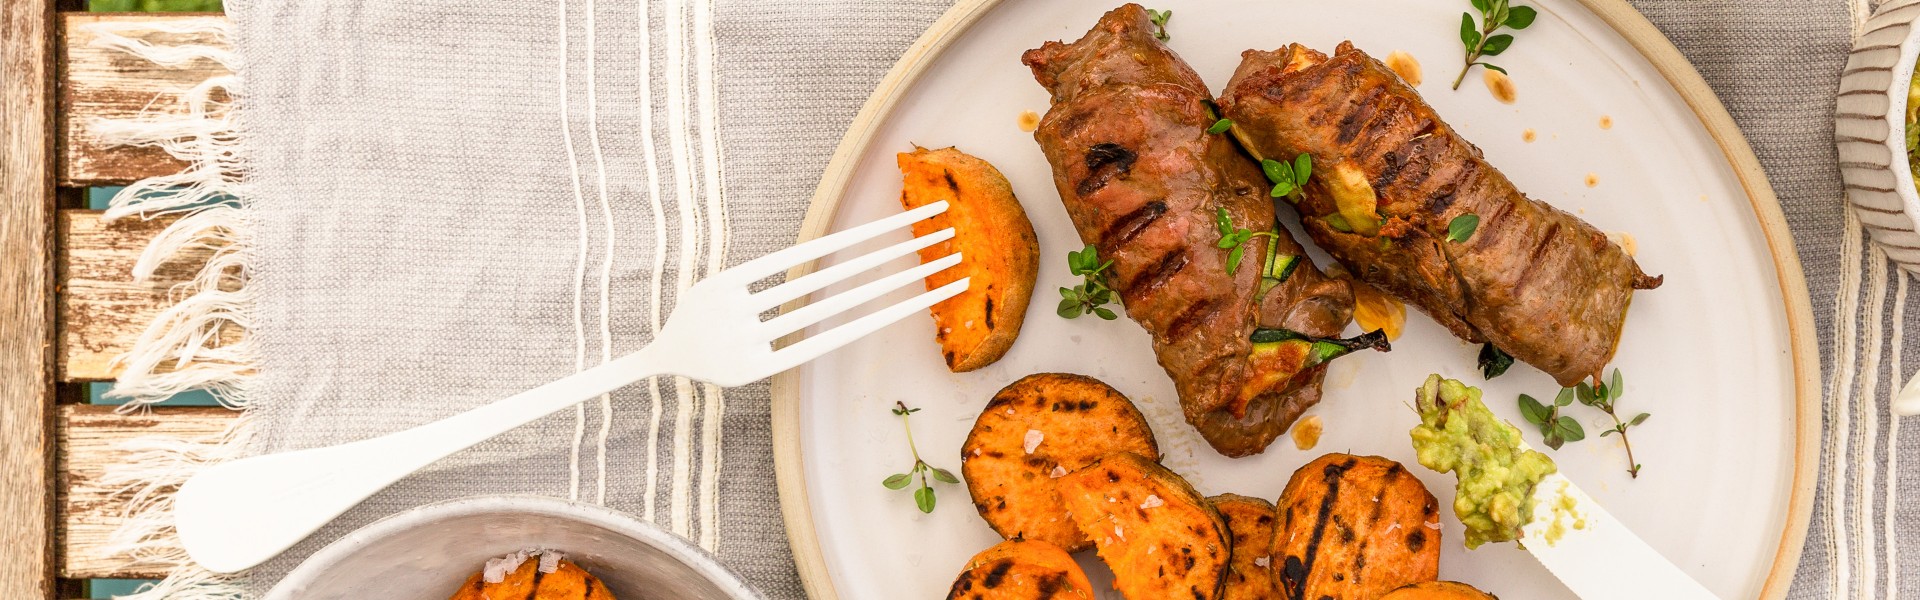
(689, 234)
(580, 268)
(710, 447)
(1868, 388)
(606, 256)
(1839, 407)
(659, 220)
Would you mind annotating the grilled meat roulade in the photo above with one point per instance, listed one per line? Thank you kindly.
(1389, 179)
(1148, 186)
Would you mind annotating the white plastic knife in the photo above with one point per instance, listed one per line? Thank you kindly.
(1594, 554)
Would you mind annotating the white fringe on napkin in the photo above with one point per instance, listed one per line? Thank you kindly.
(181, 350)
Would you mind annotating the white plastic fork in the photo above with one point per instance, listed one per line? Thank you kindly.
(235, 515)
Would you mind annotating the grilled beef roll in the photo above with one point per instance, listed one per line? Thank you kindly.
(1389, 179)
(1146, 184)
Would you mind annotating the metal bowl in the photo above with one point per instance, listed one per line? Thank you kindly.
(427, 552)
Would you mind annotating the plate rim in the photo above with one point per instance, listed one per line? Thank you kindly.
(789, 466)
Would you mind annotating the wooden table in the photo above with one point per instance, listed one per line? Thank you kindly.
(68, 304)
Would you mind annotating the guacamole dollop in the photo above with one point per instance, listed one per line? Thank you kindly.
(1457, 434)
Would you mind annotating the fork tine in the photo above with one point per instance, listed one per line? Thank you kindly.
(805, 285)
(841, 302)
(760, 268)
(832, 339)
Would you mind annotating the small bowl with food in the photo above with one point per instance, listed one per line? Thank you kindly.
(1878, 130)
(512, 547)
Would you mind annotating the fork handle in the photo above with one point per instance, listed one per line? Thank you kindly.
(234, 515)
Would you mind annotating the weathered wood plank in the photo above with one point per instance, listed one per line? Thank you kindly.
(107, 83)
(90, 439)
(26, 316)
(102, 310)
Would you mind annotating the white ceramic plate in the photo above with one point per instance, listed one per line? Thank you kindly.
(1711, 354)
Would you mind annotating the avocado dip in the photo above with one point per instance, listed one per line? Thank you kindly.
(1457, 434)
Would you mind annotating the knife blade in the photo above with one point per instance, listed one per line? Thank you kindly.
(1594, 554)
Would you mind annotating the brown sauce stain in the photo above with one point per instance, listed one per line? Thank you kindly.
(1500, 85)
(1606, 122)
(1029, 121)
(1406, 66)
(1306, 433)
(1529, 135)
(1593, 180)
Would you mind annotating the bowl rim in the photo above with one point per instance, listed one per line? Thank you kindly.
(1900, 81)
(680, 548)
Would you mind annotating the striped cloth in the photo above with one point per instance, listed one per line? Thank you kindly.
(491, 194)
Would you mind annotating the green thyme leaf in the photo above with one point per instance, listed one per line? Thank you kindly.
(1564, 398)
(943, 475)
(1462, 227)
(1480, 5)
(1491, 66)
(1532, 410)
(1277, 172)
(1570, 429)
(1642, 418)
(1519, 17)
(1302, 169)
(1159, 19)
(1233, 258)
(897, 481)
(1105, 313)
(923, 498)
(1282, 189)
(1469, 33)
(1496, 44)
(1220, 126)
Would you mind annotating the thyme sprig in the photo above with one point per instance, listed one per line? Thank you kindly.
(1480, 39)
(922, 496)
(1159, 19)
(1555, 429)
(1605, 396)
(1093, 293)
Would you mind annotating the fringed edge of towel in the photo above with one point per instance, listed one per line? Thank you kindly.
(181, 350)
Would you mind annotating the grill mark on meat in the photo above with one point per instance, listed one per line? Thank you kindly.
(1443, 196)
(1105, 161)
(1391, 163)
(1536, 257)
(1156, 276)
(1192, 317)
(1125, 228)
(1363, 112)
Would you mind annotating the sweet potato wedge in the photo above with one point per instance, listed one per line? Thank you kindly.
(1438, 590)
(1000, 252)
(1158, 535)
(1022, 570)
(1034, 431)
(1355, 528)
(1250, 522)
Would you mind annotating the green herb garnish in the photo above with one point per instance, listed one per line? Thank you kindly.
(1462, 227)
(1159, 19)
(1323, 349)
(1234, 240)
(1479, 38)
(1555, 428)
(1603, 397)
(1288, 178)
(1092, 295)
(923, 496)
(1220, 126)
(1494, 362)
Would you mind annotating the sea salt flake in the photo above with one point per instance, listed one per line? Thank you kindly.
(550, 561)
(1119, 534)
(1263, 561)
(1151, 502)
(1034, 436)
(1393, 527)
(497, 569)
(1058, 472)
(1434, 525)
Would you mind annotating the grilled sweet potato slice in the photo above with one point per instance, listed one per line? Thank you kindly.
(1250, 521)
(1022, 570)
(1160, 537)
(1354, 528)
(567, 582)
(1001, 254)
(1438, 590)
(1034, 431)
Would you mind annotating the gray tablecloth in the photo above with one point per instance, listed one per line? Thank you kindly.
(417, 209)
